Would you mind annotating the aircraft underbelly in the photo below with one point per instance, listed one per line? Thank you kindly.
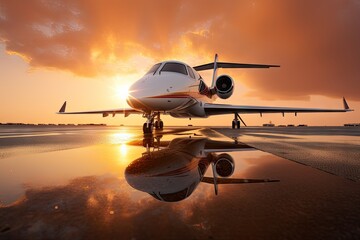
(194, 109)
(165, 104)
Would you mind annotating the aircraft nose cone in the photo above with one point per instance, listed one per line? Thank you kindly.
(136, 103)
(134, 169)
(139, 167)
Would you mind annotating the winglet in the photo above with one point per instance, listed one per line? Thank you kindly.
(346, 106)
(62, 109)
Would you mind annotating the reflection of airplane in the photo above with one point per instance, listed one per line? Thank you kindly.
(172, 174)
(174, 88)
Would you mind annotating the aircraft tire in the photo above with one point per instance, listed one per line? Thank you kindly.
(238, 124)
(161, 125)
(233, 124)
(147, 129)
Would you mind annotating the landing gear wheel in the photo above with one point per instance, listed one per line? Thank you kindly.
(156, 125)
(147, 129)
(238, 124)
(161, 125)
(233, 124)
(144, 128)
(148, 142)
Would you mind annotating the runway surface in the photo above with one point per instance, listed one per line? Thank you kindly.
(335, 150)
(116, 183)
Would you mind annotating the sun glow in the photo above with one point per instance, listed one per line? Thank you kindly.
(120, 88)
(122, 92)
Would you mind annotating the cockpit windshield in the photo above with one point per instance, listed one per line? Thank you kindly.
(174, 67)
(154, 68)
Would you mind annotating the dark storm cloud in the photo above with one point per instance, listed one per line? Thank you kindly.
(315, 42)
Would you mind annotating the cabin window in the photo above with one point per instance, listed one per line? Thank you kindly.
(191, 73)
(174, 67)
(154, 68)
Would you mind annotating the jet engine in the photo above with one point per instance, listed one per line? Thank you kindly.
(224, 86)
(224, 165)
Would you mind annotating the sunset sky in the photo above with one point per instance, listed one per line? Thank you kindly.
(87, 51)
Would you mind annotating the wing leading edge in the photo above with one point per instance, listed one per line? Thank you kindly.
(217, 109)
(209, 66)
(105, 113)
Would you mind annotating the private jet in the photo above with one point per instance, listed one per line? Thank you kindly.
(176, 89)
(172, 173)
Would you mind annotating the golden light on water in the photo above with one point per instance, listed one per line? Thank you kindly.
(123, 149)
(120, 138)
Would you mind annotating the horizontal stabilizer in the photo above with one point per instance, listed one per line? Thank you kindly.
(232, 65)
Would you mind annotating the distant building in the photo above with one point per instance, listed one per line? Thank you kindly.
(352, 124)
(270, 124)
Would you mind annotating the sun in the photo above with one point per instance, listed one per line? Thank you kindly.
(122, 91)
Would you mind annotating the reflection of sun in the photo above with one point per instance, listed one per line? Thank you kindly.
(123, 154)
(120, 138)
(123, 149)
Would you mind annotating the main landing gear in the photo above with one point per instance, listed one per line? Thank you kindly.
(150, 124)
(159, 124)
(236, 121)
(235, 124)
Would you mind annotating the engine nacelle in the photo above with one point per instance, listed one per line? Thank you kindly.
(224, 165)
(224, 86)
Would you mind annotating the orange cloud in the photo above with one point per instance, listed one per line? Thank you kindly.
(315, 42)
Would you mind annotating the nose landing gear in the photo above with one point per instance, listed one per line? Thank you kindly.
(149, 125)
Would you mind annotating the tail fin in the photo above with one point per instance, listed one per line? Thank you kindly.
(215, 71)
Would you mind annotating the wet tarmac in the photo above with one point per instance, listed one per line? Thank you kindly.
(182, 183)
(335, 150)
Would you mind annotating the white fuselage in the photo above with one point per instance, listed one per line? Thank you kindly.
(169, 92)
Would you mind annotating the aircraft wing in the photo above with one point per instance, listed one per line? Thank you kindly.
(216, 181)
(236, 180)
(105, 113)
(209, 66)
(218, 109)
(212, 146)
